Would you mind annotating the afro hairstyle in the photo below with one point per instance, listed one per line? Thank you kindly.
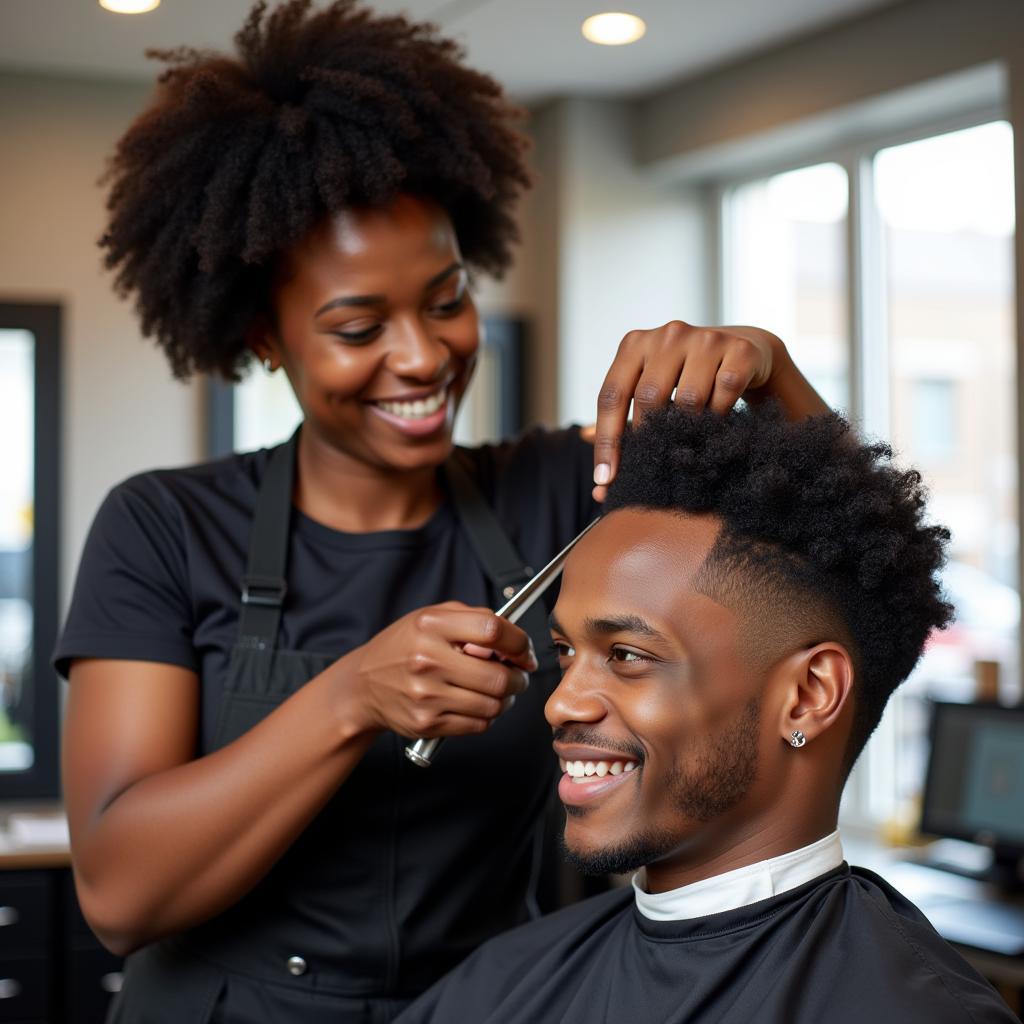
(238, 158)
(816, 527)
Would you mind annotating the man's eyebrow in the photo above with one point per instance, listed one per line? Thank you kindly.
(379, 300)
(622, 624)
(612, 624)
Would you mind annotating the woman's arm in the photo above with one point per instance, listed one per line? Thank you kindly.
(162, 841)
(705, 367)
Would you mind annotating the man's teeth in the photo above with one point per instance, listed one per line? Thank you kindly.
(580, 771)
(419, 409)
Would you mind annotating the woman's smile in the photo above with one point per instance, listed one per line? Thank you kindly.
(417, 416)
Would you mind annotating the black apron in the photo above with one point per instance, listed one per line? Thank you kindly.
(267, 960)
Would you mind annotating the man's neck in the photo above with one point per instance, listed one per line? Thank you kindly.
(734, 849)
(743, 886)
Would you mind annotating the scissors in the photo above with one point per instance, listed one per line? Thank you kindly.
(423, 751)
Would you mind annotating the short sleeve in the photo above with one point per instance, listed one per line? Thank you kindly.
(131, 598)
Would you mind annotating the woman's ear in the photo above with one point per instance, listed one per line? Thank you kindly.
(262, 341)
(819, 682)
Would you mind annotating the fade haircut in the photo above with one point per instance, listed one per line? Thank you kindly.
(238, 158)
(822, 537)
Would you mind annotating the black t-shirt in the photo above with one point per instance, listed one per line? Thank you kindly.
(845, 948)
(160, 575)
(438, 859)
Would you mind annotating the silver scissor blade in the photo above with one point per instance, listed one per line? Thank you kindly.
(422, 751)
(524, 598)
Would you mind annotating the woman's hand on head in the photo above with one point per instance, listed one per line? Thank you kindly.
(431, 673)
(696, 367)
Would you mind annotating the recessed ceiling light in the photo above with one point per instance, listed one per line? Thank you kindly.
(613, 28)
(129, 6)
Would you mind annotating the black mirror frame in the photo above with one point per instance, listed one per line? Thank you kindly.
(44, 321)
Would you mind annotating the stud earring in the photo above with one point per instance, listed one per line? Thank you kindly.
(797, 738)
(268, 364)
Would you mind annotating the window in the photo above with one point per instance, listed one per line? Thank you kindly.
(914, 336)
(786, 240)
(29, 425)
(933, 418)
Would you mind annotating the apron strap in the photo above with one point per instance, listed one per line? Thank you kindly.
(504, 566)
(264, 584)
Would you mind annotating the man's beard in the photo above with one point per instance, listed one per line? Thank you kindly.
(724, 772)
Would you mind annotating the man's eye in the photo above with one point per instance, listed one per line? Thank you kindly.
(624, 656)
(562, 649)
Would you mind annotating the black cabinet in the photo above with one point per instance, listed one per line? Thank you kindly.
(26, 946)
(53, 970)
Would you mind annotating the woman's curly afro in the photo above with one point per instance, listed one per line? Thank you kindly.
(238, 158)
(809, 512)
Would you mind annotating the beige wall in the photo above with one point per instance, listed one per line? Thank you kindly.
(606, 249)
(122, 411)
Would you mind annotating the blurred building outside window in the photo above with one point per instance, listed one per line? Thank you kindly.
(927, 317)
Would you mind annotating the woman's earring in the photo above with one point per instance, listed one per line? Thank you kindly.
(268, 364)
(797, 738)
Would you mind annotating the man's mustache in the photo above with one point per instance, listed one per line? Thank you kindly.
(582, 736)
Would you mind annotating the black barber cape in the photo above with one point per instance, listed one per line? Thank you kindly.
(845, 948)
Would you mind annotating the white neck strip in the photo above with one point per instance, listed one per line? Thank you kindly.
(741, 887)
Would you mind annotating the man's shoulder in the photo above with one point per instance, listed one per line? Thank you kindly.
(893, 945)
(562, 925)
(484, 979)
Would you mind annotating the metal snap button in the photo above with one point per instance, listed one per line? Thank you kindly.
(509, 592)
(297, 966)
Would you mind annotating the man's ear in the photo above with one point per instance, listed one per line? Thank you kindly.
(818, 684)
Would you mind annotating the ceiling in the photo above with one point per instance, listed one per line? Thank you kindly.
(534, 47)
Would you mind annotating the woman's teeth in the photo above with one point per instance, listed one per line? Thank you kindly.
(580, 771)
(419, 409)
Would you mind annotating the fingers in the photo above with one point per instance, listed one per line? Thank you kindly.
(716, 378)
(461, 625)
(450, 724)
(613, 401)
(457, 693)
(731, 381)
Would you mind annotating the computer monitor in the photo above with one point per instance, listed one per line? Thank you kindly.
(974, 786)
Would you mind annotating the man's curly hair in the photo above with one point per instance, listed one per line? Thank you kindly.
(822, 537)
(238, 158)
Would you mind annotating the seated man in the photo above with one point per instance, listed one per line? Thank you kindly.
(729, 635)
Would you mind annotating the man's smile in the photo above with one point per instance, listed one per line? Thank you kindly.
(589, 773)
